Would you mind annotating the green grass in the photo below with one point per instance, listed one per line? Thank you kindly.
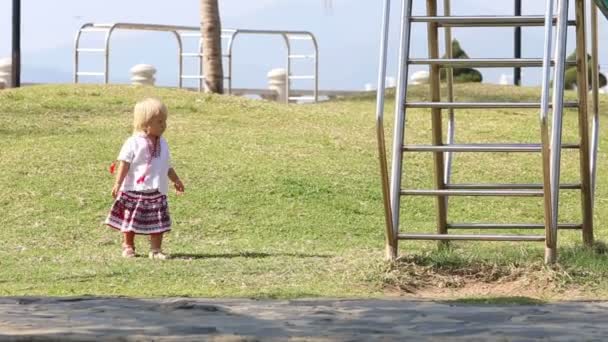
(281, 201)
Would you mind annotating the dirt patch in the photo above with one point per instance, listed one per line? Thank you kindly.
(417, 276)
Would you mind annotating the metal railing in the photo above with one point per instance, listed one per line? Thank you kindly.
(108, 29)
(192, 31)
(287, 37)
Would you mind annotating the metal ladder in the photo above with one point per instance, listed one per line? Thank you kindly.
(550, 145)
(108, 29)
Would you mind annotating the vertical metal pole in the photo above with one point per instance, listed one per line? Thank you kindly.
(391, 239)
(449, 156)
(595, 82)
(517, 46)
(106, 60)
(550, 244)
(180, 59)
(76, 54)
(435, 84)
(288, 67)
(230, 44)
(400, 112)
(16, 45)
(316, 92)
(556, 128)
(201, 80)
(583, 121)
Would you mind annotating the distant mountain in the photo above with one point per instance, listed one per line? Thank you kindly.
(35, 74)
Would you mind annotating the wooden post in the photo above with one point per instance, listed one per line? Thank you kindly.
(583, 122)
(434, 81)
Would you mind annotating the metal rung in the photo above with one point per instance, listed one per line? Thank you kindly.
(298, 37)
(518, 193)
(508, 186)
(486, 21)
(484, 62)
(480, 148)
(568, 226)
(195, 35)
(471, 237)
(302, 77)
(305, 98)
(95, 29)
(90, 50)
(302, 56)
(192, 54)
(196, 77)
(103, 25)
(482, 105)
(88, 73)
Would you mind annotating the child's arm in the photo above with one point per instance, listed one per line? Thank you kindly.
(123, 168)
(179, 186)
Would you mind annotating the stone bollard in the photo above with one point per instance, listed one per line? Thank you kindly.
(420, 77)
(277, 82)
(6, 67)
(143, 74)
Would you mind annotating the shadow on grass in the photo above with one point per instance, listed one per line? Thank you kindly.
(250, 255)
(453, 258)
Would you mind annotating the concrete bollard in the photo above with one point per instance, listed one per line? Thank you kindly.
(6, 67)
(277, 81)
(420, 77)
(143, 74)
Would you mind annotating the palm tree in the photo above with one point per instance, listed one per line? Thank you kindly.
(211, 32)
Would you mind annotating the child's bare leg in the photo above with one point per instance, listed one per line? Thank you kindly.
(128, 244)
(129, 239)
(156, 241)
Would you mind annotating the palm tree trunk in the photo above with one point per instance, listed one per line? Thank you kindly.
(211, 30)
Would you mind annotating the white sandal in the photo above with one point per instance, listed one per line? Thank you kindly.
(157, 255)
(128, 251)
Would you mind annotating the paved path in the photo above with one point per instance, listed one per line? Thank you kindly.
(181, 319)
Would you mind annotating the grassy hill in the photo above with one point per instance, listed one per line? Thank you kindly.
(281, 201)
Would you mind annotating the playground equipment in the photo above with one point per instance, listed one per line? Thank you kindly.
(185, 32)
(550, 146)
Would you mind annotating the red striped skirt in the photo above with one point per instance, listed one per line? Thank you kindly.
(140, 213)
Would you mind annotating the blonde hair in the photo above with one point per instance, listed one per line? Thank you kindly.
(145, 111)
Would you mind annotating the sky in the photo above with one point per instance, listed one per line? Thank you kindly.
(348, 35)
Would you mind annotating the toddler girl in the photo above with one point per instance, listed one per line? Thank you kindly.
(140, 190)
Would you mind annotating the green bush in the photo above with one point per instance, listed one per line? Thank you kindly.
(570, 80)
(461, 75)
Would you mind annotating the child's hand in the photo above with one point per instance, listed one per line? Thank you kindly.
(115, 190)
(179, 187)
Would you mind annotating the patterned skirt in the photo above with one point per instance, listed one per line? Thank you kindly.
(140, 213)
